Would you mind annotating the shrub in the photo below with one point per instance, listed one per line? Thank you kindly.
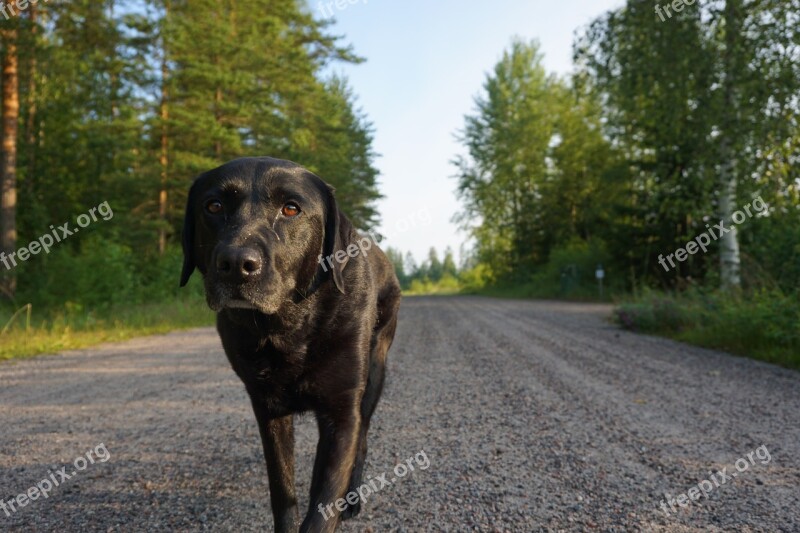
(761, 324)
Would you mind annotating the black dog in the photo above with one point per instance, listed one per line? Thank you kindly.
(306, 314)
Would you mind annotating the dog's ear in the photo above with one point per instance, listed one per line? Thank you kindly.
(336, 239)
(187, 237)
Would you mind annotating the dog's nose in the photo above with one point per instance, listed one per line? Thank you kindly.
(239, 264)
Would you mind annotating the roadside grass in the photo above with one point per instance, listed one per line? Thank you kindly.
(446, 286)
(72, 328)
(762, 325)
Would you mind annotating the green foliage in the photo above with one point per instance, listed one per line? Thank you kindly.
(449, 264)
(534, 177)
(476, 279)
(663, 127)
(101, 275)
(761, 324)
(433, 276)
(508, 139)
(570, 272)
(342, 152)
(104, 292)
(435, 271)
(702, 106)
(73, 327)
(446, 285)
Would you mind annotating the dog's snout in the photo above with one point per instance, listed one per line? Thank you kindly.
(239, 264)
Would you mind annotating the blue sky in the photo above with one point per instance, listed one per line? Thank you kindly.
(426, 61)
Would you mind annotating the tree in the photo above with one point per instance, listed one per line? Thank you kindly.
(435, 269)
(694, 106)
(449, 264)
(396, 258)
(8, 163)
(259, 92)
(163, 159)
(655, 80)
(508, 139)
(410, 264)
(339, 149)
(536, 164)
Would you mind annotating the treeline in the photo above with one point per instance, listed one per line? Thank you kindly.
(664, 129)
(126, 101)
(431, 275)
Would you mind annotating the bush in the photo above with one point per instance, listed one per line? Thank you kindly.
(447, 285)
(761, 324)
(569, 273)
(103, 274)
(476, 278)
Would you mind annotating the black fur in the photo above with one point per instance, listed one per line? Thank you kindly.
(302, 337)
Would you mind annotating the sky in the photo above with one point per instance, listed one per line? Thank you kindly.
(425, 63)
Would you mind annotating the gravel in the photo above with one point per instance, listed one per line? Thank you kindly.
(535, 416)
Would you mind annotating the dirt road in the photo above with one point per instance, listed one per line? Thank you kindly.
(534, 416)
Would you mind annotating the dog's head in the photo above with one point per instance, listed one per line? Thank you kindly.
(256, 228)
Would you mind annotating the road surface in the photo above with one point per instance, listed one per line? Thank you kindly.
(533, 416)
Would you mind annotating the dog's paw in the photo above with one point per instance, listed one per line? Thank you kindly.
(351, 510)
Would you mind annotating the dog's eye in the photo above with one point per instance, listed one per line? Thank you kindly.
(290, 210)
(214, 207)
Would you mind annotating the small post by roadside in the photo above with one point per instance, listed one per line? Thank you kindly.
(600, 274)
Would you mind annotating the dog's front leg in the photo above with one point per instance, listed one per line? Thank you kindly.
(277, 437)
(336, 453)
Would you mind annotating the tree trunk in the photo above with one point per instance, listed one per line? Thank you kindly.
(730, 275)
(8, 166)
(163, 197)
(30, 127)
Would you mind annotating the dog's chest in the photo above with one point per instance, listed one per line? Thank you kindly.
(276, 376)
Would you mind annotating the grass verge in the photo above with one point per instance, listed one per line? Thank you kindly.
(55, 331)
(762, 325)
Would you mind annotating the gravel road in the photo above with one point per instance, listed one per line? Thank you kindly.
(535, 416)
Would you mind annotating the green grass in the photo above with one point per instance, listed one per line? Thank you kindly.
(762, 325)
(55, 331)
(446, 286)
